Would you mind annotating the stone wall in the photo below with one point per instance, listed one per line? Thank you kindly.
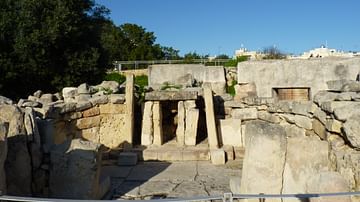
(296, 146)
(187, 75)
(314, 73)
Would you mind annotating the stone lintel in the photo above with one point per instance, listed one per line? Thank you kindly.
(171, 95)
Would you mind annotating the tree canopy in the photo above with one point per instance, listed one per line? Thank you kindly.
(51, 44)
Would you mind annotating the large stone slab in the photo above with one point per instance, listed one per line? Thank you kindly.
(210, 118)
(191, 122)
(3, 153)
(300, 166)
(264, 158)
(244, 114)
(129, 112)
(77, 163)
(147, 130)
(180, 130)
(112, 130)
(157, 124)
(231, 132)
(171, 95)
(343, 113)
(352, 130)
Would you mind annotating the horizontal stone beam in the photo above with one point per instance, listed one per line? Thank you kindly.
(171, 95)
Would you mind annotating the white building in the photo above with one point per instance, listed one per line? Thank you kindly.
(325, 52)
(244, 52)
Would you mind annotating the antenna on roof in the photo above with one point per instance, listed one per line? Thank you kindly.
(326, 44)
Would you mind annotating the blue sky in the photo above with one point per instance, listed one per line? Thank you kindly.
(221, 26)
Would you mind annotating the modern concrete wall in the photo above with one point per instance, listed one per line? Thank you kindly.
(314, 73)
(175, 74)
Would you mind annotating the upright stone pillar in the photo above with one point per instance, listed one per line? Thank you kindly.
(210, 118)
(129, 117)
(147, 130)
(157, 123)
(3, 153)
(192, 117)
(180, 130)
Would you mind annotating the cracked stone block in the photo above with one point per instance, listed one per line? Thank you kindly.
(217, 156)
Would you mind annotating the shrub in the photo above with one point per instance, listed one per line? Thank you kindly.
(115, 77)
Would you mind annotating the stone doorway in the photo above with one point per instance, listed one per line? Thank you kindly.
(169, 120)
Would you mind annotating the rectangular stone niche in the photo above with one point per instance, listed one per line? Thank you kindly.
(292, 93)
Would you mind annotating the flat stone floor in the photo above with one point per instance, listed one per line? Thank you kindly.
(181, 179)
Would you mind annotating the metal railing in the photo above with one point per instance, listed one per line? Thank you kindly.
(135, 64)
(227, 197)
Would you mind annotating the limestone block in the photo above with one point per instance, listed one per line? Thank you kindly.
(72, 115)
(157, 124)
(330, 106)
(195, 155)
(129, 110)
(189, 104)
(217, 156)
(170, 155)
(88, 122)
(328, 182)
(346, 96)
(303, 122)
(343, 113)
(112, 109)
(47, 98)
(127, 159)
(319, 129)
(171, 95)
(302, 107)
(333, 125)
(293, 130)
(300, 166)
(5, 100)
(245, 90)
(82, 105)
(320, 115)
(112, 130)
(91, 134)
(266, 116)
(96, 100)
(263, 138)
(235, 185)
(83, 88)
(234, 104)
(210, 118)
(180, 130)
(78, 164)
(229, 152)
(147, 130)
(111, 86)
(336, 85)
(244, 114)
(117, 98)
(352, 130)
(324, 96)
(230, 132)
(3, 153)
(149, 155)
(191, 123)
(94, 111)
(67, 107)
(69, 92)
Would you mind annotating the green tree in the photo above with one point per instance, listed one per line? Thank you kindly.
(49, 44)
(222, 56)
(272, 52)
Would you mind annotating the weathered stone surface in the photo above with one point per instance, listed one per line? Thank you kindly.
(234, 104)
(245, 90)
(96, 100)
(117, 98)
(302, 107)
(180, 130)
(88, 122)
(266, 116)
(217, 156)
(112, 130)
(67, 107)
(91, 112)
(38, 93)
(300, 166)
(189, 104)
(69, 92)
(333, 125)
(320, 115)
(346, 96)
(231, 132)
(29, 103)
(18, 161)
(336, 85)
(129, 111)
(147, 130)
(77, 163)
(72, 115)
(112, 109)
(303, 121)
(83, 98)
(293, 130)
(5, 100)
(352, 130)
(111, 86)
(244, 114)
(191, 123)
(235, 185)
(324, 96)
(328, 182)
(343, 113)
(47, 98)
(330, 106)
(83, 105)
(34, 142)
(319, 129)
(3, 153)
(157, 124)
(210, 119)
(351, 86)
(91, 134)
(263, 138)
(83, 88)
(171, 95)
(127, 159)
